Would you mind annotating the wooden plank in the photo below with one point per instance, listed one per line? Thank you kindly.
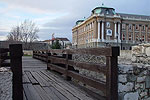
(56, 68)
(2, 50)
(60, 51)
(67, 86)
(41, 81)
(89, 81)
(31, 78)
(42, 93)
(57, 60)
(25, 79)
(54, 94)
(89, 66)
(5, 64)
(104, 51)
(24, 96)
(30, 92)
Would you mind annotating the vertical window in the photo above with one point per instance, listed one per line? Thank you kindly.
(137, 27)
(130, 36)
(143, 27)
(123, 36)
(108, 24)
(130, 26)
(123, 26)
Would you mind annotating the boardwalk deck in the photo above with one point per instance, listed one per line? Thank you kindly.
(41, 84)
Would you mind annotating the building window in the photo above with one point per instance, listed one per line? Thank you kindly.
(143, 37)
(123, 36)
(124, 48)
(137, 27)
(148, 37)
(130, 36)
(130, 26)
(108, 24)
(123, 26)
(149, 27)
(137, 36)
(143, 27)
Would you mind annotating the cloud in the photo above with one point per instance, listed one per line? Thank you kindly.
(2, 38)
(59, 16)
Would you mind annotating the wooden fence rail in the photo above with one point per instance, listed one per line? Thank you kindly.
(61, 61)
(14, 53)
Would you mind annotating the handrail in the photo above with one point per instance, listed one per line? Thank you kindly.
(61, 61)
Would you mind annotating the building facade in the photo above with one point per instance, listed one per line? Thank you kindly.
(106, 27)
(65, 43)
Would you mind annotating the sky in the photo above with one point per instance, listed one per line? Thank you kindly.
(59, 16)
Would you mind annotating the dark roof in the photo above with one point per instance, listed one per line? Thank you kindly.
(134, 16)
(62, 39)
(47, 40)
(104, 10)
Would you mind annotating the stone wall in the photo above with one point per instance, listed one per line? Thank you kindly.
(133, 79)
(5, 84)
(134, 82)
(127, 54)
(141, 53)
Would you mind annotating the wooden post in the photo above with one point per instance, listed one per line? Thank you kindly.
(16, 65)
(67, 67)
(112, 75)
(48, 61)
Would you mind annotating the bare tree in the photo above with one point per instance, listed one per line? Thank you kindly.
(25, 32)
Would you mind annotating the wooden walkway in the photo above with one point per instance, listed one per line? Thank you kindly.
(41, 84)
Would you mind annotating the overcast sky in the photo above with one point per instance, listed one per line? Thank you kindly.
(59, 16)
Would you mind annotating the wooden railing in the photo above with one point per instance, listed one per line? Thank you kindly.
(14, 53)
(4, 56)
(61, 61)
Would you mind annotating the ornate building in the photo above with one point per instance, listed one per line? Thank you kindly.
(106, 27)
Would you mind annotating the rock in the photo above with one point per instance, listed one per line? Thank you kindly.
(136, 50)
(2, 69)
(134, 58)
(125, 88)
(131, 96)
(147, 51)
(147, 83)
(122, 78)
(139, 85)
(141, 79)
(125, 68)
(142, 94)
(131, 78)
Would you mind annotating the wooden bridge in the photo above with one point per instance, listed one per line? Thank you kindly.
(41, 84)
(49, 77)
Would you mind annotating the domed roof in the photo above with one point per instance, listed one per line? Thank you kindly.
(79, 21)
(104, 10)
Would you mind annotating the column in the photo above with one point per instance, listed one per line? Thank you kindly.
(140, 33)
(127, 32)
(119, 32)
(115, 30)
(98, 32)
(146, 28)
(133, 33)
(102, 31)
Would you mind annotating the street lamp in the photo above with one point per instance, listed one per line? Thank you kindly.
(117, 39)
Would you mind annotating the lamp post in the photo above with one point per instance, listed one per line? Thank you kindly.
(117, 39)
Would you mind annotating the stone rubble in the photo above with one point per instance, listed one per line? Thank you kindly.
(5, 84)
